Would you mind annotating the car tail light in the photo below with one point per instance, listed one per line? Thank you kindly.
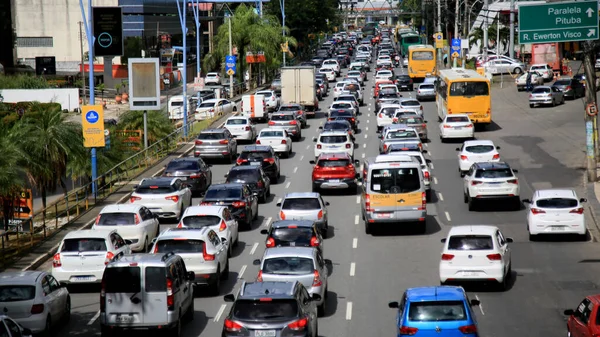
(568, 88)
(318, 146)
(348, 146)
(513, 181)
(207, 256)
(281, 215)
(293, 123)
(195, 175)
(395, 120)
(537, 210)
(102, 295)
(109, 257)
(423, 125)
(37, 309)
(496, 156)
(447, 257)
(446, 126)
(427, 175)
(232, 326)
(56, 262)
(494, 257)
(223, 226)
(368, 203)
(170, 295)
(385, 147)
(240, 161)
(156, 247)
(224, 141)
(198, 142)
(463, 157)
(421, 108)
(247, 128)
(320, 215)
(298, 325)
(577, 210)
(423, 201)
(300, 112)
(259, 276)
(475, 182)
(271, 160)
(271, 123)
(404, 330)
(239, 204)
(317, 279)
(174, 198)
(380, 115)
(134, 199)
(258, 141)
(270, 243)
(314, 242)
(330, 119)
(468, 329)
(469, 126)
(205, 203)
(530, 95)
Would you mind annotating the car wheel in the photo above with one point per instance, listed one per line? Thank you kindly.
(428, 195)
(553, 102)
(563, 100)
(465, 197)
(189, 314)
(263, 198)
(176, 330)
(471, 203)
(215, 288)
(105, 331)
(531, 105)
(48, 327)
(517, 71)
(225, 274)
(517, 204)
(321, 309)
(67, 313)
(368, 227)
(315, 188)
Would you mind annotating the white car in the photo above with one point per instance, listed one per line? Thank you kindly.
(202, 251)
(476, 253)
(384, 74)
(412, 103)
(329, 73)
(398, 133)
(456, 126)
(278, 139)
(134, 223)
(212, 78)
(333, 142)
(491, 181)
(9, 327)
(339, 87)
(536, 79)
(218, 218)
(166, 197)
(358, 75)
(476, 151)
(555, 211)
(385, 115)
(544, 69)
(332, 64)
(385, 63)
(214, 107)
(241, 128)
(271, 99)
(359, 92)
(404, 113)
(35, 300)
(82, 255)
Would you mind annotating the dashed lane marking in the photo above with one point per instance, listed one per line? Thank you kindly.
(363, 155)
(219, 313)
(366, 128)
(368, 121)
(369, 115)
(307, 147)
(352, 268)
(431, 166)
(253, 250)
(448, 216)
(279, 200)
(366, 136)
(268, 222)
(93, 319)
(295, 169)
(435, 180)
(356, 219)
(480, 306)
(358, 199)
(348, 311)
(355, 242)
(364, 146)
(302, 157)
(241, 273)
(440, 196)
(426, 145)
(288, 184)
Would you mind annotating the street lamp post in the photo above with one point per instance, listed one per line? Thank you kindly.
(282, 5)
(182, 20)
(196, 11)
(228, 15)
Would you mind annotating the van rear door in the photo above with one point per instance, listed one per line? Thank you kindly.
(253, 106)
(124, 297)
(155, 295)
(397, 190)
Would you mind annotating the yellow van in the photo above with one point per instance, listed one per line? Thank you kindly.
(393, 191)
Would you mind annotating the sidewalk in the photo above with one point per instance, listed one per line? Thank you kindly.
(593, 204)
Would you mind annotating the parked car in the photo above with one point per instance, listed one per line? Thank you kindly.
(214, 107)
(536, 79)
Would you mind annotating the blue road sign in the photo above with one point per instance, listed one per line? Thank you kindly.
(230, 64)
(91, 116)
(455, 48)
(422, 29)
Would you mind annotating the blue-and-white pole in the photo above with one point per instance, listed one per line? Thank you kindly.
(90, 38)
(197, 20)
(182, 20)
(282, 5)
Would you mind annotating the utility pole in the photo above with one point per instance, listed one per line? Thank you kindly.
(590, 115)
(511, 46)
(485, 30)
(423, 25)
(439, 30)
(230, 53)
(465, 33)
(456, 20)
(282, 4)
(83, 98)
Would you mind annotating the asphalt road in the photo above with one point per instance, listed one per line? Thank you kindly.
(545, 144)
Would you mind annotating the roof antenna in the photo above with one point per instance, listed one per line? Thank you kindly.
(267, 292)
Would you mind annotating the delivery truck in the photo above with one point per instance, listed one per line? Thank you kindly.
(298, 87)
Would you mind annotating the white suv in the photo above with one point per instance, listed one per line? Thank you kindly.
(218, 218)
(339, 87)
(334, 142)
(166, 197)
(329, 73)
(212, 78)
(491, 181)
(134, 223)
(333, 64)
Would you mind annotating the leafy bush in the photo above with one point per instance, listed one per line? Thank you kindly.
(23, 81)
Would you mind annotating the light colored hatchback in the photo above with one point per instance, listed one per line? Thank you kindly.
(166, 197)
(133, 222)
(305, 206)
(555, 211)
(217, 218)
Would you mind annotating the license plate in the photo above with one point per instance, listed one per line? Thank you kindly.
(334, 180)
(265, 333)
(182, 178)
(292, 244)
(384, 215)
(470, 273)
(124, 319)
(495, 183)
(255, 163)
(557, 228)
(83, 278)
(457, 127)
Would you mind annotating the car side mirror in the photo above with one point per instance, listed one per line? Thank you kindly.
(509, 240)
(443, 240)
(128, 242)
(393, 305)
(153, 240)
(424, 151)
(357, 176)
(424, 121)
(515, 171)
(320, 128)
(256, 262)
(229, 298)
(583, 200)
(191, 276)
(356, 162)
(475, 302)
(315, 297)
(278, 204)
(497, 147)
(569, 312)
(312, 162)
(428, 161)
(380, 136)
(264, 231)
(326, 203)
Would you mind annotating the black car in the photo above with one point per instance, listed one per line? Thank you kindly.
(261, 155)
(193, 170)
(240, 200)
(344, 115)
(322, 77)
(405, 83)
(254, 177)
(293, 233)
(571, 88)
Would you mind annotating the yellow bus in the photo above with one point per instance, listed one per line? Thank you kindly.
(464, 91)
(421, 61)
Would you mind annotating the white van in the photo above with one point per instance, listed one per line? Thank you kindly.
(254, 106)
(175, 107)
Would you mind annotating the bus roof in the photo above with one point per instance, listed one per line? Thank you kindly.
(461, 74)
(407, 34)
(420, 46)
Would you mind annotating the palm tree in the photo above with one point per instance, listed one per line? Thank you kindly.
(11, 170)
(158, 124)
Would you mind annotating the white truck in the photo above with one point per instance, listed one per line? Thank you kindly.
(298, 86)
(254, 107)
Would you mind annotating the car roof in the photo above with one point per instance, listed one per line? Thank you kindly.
(409, 100)
(176, 160)
(478, 142)
(226, 186)
(119, 208)
(129, 259)
(267, 289)
(88, 234)
(212, 74)
(307, 252)
(334, 156)
(555, 193)
(188, 233)
(212, 100)
(472, 230)
(159, 181)
(257, 148)
(239, 117)
(302, 194)
(204, 210)
(492, 165)
(461, 115)
(245, 168)
(436, 293)
(288, 223)
(20, 277)
(270, 129)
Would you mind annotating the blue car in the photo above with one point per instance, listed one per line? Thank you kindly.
(435, 311)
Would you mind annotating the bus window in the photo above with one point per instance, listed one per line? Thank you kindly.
(469, 89)
(422, 55)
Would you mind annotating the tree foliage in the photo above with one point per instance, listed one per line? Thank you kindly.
(158, 123)
(23, 81)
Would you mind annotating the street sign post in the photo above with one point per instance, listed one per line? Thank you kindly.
(455, 48)
(558, 22)
(230, 64)
(439, 40)
(144, 84)
(92, 122)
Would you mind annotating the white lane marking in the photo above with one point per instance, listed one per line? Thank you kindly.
(288, 184)
(369, 104)
(448, 216)
(366, 128)
(429, 153)
(93, 319)
(368, 121)
(241, 273)
(349, 311)
(435, 180)
(302, 157)
(219, 313)
(307, 147)
(253, 250)
(431, 166)
(440, 196)
(366, 136)
(295, 169)
(268, 222)
(480, 306)
(369, 115)
(358, 199)
(352, 268)
(426, 145)
(356, 219)
(355, 242)
(364, 146)
(363, 155)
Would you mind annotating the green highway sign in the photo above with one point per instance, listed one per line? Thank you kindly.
(558, 22)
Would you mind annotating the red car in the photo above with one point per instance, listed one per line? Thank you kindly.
(334, 171)
(583, 320)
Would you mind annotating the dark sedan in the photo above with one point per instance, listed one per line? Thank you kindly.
(571, 88)
(254, 177)
(240, 200)
(405, 83)
(344, 115)
(193, 170)
(261, 155)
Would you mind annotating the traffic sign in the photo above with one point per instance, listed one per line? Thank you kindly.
(92, 122)
(230, 72)
(558, 22)
(455, 48)
(230, 64)
(438, 36)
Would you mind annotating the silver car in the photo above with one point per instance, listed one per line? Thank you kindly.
(426, 91)
(305, 206)
(504, 66)
(216, 143)
(544, 94)
(398, 133)
(302, 264)
(416, 122)
(288, 121)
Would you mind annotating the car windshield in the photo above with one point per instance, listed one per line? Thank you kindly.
(256, 310)
(391, 181)
(15, 293)
(341, 106)
(122, 280)
(211, 136)
(199, 221)
(494, 173)
(437, 311)
(255, 155)
(421, 55)
(179, 246)
(237, 121)
(333, 163)
(154, 189)
(288, 265)
(116, 219)
(182, 165)
(176, 103)
(401, 134)
(563, 82)
(84, 245)
(282, 117)
(354, 73)
(333, 139)
(247, 176)
(470, 242)
(469, 89)
(461, 119)
(300, 236)
(223, 193)
(557, 203)
(271, 133)
(301, 204)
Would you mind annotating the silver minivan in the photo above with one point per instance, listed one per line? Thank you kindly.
(305, 206)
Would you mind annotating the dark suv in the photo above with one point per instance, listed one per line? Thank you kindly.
(240, 200)
(261, 155)
(254, 177)
(194, 171)
(272, 309)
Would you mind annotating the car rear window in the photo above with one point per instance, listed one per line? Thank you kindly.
(182, 165)
(391, 181)
(461, 119)
(563, 82)
(335, 126)
(479, 148)
(427, 86)
(122, 280)
(289, 108)
(14, 293)
(333, 139)
(116, 219)
(495, 173)
(401, 134)
(237, 121)
(540, 90)
(410, 120)
(199, 221)
(388, 111)
(223, 193)
(243, 175)
(438, 311)
(334, 163)
(470, 242)
(301, 204)
(299, 236)
(271, 133)
(211, 136)
(155, 280)
(288, 265)
(255, 155)
(154, 189)
(395, 147)
(179, 246)
(275, 309)
(84, 245)
(282, 117)
(557, 203)
(207, 105)
(411, 103)
(388, 94)
(341, 106)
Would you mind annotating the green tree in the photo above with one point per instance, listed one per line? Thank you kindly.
(504, 35)
(159, 125)
(11, 170)
(410, 6)
(133, 47)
